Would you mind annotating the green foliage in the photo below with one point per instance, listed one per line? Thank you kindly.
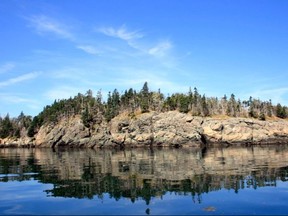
(171, 103)
(93, 110)
(204, 106)
(281, 111)
(183, 103)
(196, 95)
(231, 106)
(11, 127)
(6, 127)
(144, 94)
(108, 111)
(35, 125)
(252, 108)
(87, 117)
(113, 105)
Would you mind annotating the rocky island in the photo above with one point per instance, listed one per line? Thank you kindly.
(157, 129)
(145, 118)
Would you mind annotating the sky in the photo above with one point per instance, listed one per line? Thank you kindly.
(55, 49)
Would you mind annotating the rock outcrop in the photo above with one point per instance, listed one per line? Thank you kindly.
(71, 132)
(158, 129)
(243, 130)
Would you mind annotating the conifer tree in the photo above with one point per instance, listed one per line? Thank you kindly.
(6, 127)
(280, 111)
(144, 94)
(204, 107)
(183, 103)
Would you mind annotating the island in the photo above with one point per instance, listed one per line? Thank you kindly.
(148, 119)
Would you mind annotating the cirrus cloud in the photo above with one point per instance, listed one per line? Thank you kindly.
(44, 24)
(160, 49)
(88, 49)
(121, 33)
(6, 67)
(19, 79)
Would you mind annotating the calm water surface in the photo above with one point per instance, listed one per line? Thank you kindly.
(234, 180)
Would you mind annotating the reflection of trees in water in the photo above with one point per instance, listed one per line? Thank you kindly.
(96, 185)
(118, 188)
(138, 179)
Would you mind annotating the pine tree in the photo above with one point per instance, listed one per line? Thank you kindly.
(231, 106)
(6, 127)
(280, 111)
(108, 111)
(144, 94)
(115, 103)
(87, 118)
(183, 103)
(204, 107)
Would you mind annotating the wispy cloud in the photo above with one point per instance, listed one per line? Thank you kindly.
(15, 98)
(62, 92)
(160, 49)
(277, 95)
(19, 79)
(6, 67)
(88, 49)
(121, 33)
(21, 99)
(71, 74)
(44, 24)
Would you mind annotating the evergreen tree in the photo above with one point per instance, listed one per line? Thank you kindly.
(204, 107)
(231, 106)
(171, 103)
(270, 107)
(94, 111)
(252, 108)
(196, 96)
(99, 97)
(6, 129)
(183, 103)
(35, 125)
(115, 103)
(157, 101)
(280, 111)
(108, 111)
(87, 118)
(191, 98)
(89, 93)
(144, 94)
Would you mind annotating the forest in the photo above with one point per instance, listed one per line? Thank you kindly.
(94, 110)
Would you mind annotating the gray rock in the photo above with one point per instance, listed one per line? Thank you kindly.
(157, 129)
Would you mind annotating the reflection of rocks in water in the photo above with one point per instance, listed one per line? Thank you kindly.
(144, 173)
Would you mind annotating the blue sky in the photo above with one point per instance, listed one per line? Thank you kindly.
(54, 49)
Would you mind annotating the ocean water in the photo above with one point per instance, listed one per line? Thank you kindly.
(184, 181)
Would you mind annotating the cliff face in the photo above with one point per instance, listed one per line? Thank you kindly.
(174, 128)
(159, 129)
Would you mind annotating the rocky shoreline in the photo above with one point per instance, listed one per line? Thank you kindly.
(154, 129)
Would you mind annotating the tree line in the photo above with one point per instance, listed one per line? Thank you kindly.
(94, 110)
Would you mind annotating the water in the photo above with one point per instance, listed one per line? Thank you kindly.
(234, 180)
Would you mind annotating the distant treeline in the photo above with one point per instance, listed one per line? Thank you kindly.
(94, 110)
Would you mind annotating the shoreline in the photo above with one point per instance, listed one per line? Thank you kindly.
(154, 129)
(182, 146)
